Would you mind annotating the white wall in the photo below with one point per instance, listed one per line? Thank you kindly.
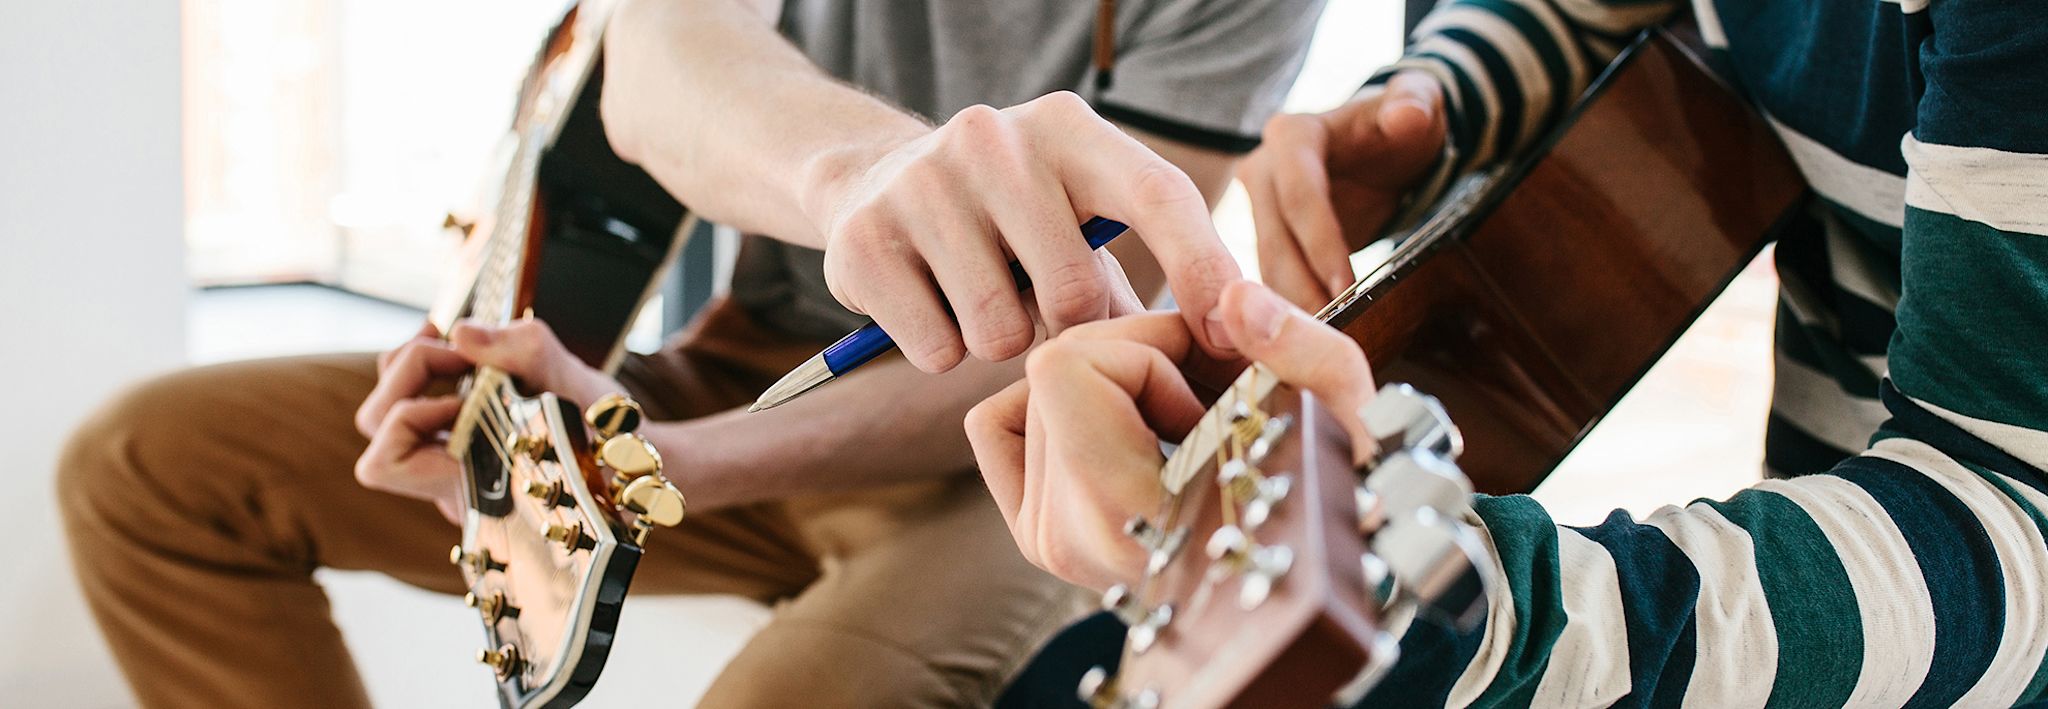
(91, 292)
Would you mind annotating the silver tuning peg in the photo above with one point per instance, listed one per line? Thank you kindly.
(1436, 559)
(1144, 633)
(1268, 493)
(1269, 435)
(1409, 480)
(1162, 545)
(1263, 569)
(1402, 418)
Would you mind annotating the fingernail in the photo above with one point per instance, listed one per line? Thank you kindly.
(1339, 284)
(1219, 335)
(1264, 314)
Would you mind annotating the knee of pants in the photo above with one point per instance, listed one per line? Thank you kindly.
(103, 465)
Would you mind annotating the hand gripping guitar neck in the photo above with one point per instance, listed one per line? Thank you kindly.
(1303, 556)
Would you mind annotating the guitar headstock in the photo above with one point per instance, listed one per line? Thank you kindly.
(559, 506)
(1271, 562)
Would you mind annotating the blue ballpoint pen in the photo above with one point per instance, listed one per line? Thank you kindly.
(866, 343)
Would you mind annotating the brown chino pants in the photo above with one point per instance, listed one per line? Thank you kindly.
(199, 504)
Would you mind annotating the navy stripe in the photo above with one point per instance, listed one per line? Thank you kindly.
(1983, 74)
(1848, 87)
(1660, 591)
(1959, 564)
(1433, 655)
(1911, 420)
(1466, 123)
(1548, 53)
(1789, 452)
(1508, 124)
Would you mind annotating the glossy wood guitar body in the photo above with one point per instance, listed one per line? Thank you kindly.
(1530, 317)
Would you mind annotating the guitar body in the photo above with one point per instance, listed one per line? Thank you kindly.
(1533, 314)
(599, 232)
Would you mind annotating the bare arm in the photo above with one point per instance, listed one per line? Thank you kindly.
(723, 112)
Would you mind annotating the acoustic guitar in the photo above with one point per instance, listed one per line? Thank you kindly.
(1528, 301)
(557, 502)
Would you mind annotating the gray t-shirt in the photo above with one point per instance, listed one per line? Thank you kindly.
(1203, 72)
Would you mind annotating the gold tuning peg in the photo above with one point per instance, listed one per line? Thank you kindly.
(549, 493)
(479, 561)
(450, 221)
(612, 415)
(569, 536)
(504, 660)
(655, 500)
(630, 456)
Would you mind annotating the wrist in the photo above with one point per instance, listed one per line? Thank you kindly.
(829, 175)
(687, 466)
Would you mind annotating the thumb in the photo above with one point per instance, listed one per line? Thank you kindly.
(1413, 107)
(1399, 137)
(524, 349)
(1301, 351)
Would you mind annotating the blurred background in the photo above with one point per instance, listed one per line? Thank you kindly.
(206, 180)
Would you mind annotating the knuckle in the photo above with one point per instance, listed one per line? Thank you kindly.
(1044, 363)
(982, 423)
(1063, 103)
(1004, 342)
(369, 473)
(1074, 294)
(1289, 128)
(979, 121)
(1160, 183)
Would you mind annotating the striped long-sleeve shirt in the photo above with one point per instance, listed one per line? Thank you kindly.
(1899, 559)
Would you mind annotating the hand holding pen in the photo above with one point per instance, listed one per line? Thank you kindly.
(922, 237)
(859, 346)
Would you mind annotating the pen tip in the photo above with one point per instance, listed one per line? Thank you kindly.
(753, 407)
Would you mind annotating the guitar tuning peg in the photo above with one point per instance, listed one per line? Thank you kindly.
(1144, 633)
(1097, 688)
(654, 499)
(505, 660)
(550, 494)
(1119, 601)
(1265, 496)
(630, 456)
(570, 536)
(1228, 545)
(529, 445)
(1168, 547)
(1437, 559)
(450, 221)
(1140, 529)
(479, 561)
(1403, 418)
(494, 607)
(1409, 480)
(1372, 513)
(1269, 436)
(611, 415)
(1264, 569)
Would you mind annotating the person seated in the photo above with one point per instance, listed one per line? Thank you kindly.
(861, 147)
(1898, 555)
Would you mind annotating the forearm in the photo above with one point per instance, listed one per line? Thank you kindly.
(731, 118)
(887, 423)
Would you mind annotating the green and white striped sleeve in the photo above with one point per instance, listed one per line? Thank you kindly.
(1512, 68)
(1912, 574)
